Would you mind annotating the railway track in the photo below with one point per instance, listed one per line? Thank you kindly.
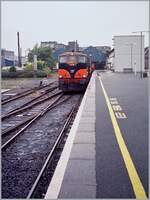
(24, 93)
(52, 153)
(21, 115)
(25, 148)
(35, 101)
(21, 102)
(28, 117)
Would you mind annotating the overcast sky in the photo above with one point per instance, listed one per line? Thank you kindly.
(91, 23)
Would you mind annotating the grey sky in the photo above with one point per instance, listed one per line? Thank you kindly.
(91, 23)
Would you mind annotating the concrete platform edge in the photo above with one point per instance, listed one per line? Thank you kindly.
(56, 182)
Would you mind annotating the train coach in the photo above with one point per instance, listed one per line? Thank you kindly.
(74, 71)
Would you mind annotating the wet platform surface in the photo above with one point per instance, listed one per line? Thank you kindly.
(106, 153)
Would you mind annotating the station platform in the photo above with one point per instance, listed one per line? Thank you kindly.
(106, 152)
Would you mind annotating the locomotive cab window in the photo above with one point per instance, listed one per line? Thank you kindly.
(82, 59)
(72, 59)
(63, 59)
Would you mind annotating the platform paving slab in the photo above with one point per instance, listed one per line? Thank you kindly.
(85, 138)
(78, 191)
(81, 172)
(83, 151)
(89, 127)
(87, 120)
(88, 114)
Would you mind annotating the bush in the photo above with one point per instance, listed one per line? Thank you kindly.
(12, 69)
(40, 65)
(7, 74)
(4, 70)
(26, 74)
(29, 67)
(40, 74)
(47, 71)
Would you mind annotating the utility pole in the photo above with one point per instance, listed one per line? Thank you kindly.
(35, 62)
(141, 32)
(35, 65)
(19, 57)
(131, 54)
(135, 68)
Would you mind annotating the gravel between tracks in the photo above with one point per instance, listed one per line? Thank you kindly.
(22, 161)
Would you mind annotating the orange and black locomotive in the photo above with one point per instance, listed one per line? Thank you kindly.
(74, 71)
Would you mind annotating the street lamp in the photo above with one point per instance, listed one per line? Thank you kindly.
(135, 68)
(90, 55)
(141, 48)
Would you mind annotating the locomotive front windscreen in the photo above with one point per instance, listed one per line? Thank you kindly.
(74, 59)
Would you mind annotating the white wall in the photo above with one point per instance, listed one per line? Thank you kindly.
(128, 53)
(110, 60)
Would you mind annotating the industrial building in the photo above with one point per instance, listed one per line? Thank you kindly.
(50, 44)
(128, 53)
(103, 49)
(7, 58)
(72, 45)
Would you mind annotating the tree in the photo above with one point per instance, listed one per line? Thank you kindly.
(43, 54)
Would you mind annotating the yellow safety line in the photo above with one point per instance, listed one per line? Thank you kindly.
(133, 175)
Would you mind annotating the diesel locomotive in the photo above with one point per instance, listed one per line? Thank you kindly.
(74, 71)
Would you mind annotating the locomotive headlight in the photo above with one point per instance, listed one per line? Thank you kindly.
(84, 76)
(60, 76)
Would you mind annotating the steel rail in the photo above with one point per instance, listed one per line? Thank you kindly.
(6, 131)
(60, 102)
(19, 95)
(12, 128)
(49, 158)
(4, 146)
(16, 111)
(25, 104)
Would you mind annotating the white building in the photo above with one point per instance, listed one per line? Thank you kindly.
(129, 53)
